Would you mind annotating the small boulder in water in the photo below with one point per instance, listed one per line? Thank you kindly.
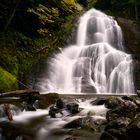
(74, 124)
(52, 111)
(60, 104)
(72, 108)
(98, 101)
(30, 108)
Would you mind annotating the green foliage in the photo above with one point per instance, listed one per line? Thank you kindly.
(39, 18)
(7, 81)
(68, 6)
(15, 48)
(37, 29)
(45, 14)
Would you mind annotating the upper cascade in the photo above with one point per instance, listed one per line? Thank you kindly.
(96, 27)
(97, 62)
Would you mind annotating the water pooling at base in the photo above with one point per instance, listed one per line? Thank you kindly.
(97, 62)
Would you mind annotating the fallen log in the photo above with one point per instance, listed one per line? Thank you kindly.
(18, 96)
(20, 93)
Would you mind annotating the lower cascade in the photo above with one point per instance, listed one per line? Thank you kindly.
(97, 62)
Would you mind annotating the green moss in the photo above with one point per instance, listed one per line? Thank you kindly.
(7, 81)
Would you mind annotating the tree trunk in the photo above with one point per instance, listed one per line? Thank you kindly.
(11, 15)
(136, 11)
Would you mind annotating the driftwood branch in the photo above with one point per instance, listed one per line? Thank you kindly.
(8, 112)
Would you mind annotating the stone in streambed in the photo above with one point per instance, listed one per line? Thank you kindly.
(127, 109)
(85, 128)
(117, 128)
(58, 107)
(113, 102)
(87, 123)
(60, 104)
(109, 102)
(133, 129)
(121, 122)
(74, 124)
(98, 101)
(53, 111)
(72, 108)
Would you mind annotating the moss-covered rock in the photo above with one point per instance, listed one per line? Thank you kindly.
(7, 81)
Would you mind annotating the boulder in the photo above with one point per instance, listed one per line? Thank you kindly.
(60, 104)
(72, 108)
(127, 109)
(74, 124)
(120, 123)
(99, 101)
(113, 102)
(87, 123)
(133, 129)
(52, 111)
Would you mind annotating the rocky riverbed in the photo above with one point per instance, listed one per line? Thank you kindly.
(59, 117)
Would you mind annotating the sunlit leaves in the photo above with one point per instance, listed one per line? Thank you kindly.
(45, 14)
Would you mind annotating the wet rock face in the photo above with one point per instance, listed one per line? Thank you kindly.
(131, 32)
(82, 69)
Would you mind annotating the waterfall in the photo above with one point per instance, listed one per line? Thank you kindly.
(97, 62)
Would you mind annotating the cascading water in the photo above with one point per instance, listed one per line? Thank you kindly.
(96, 63)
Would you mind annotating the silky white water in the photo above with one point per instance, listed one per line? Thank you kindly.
(97, 62)
(44, 127)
